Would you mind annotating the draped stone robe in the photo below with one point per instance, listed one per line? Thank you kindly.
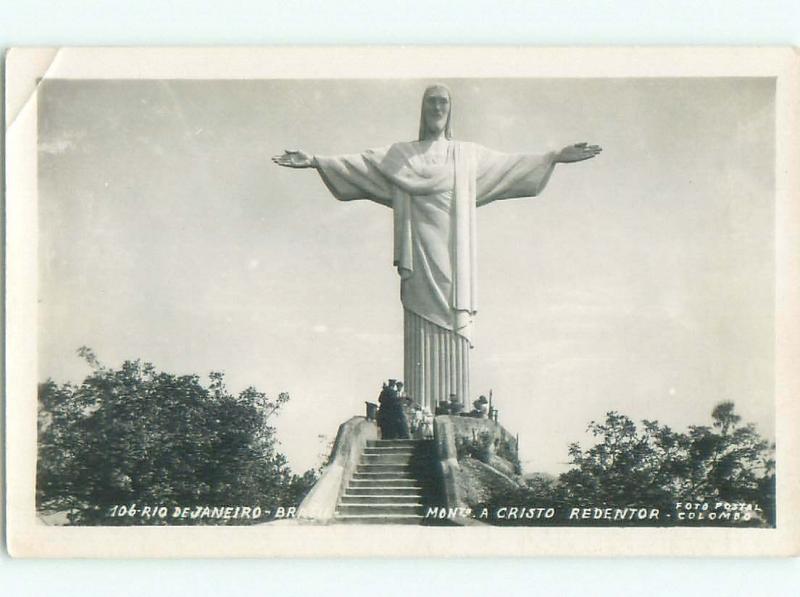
(434, 188)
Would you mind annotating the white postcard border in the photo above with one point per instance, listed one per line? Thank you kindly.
(29, 538)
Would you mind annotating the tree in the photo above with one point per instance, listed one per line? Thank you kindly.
(135, 435)
(627, 466)
(657, 466)
(653, 466)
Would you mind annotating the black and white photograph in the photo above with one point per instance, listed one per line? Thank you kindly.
(438, 302)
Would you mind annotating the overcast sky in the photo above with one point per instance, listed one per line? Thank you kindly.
(641, 281)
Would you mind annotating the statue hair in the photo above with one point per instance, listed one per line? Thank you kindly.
(448, 127)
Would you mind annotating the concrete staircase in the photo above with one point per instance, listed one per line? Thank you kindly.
(393, 483)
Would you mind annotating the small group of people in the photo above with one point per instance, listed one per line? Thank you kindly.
(392, 420)
(481, 408)
(400, 417)
(422, 423)
(394, 411)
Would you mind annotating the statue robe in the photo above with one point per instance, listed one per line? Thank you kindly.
(434, 188)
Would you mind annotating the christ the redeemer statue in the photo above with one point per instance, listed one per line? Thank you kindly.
(434, 186)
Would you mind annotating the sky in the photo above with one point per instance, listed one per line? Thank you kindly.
(641, 281)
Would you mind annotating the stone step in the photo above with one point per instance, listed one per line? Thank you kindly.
(383, 468)
(380, 443)
(407, 508)
(378, 519)
(381, 499)
(390, 481)
(386, 458)
(376, 489)
(381, 476)
(390, 450)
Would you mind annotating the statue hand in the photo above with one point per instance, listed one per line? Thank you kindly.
(578, 153)
(294, 158)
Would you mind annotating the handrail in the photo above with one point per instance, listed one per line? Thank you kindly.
(319, 506)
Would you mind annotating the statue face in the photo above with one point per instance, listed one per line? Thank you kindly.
(436, 109)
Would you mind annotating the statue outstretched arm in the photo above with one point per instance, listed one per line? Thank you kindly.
(508, 175)
(348, 177)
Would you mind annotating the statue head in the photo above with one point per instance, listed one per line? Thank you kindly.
(436, 113)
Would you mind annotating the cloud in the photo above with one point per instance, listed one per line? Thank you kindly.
(66, 142)
(56, 147)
